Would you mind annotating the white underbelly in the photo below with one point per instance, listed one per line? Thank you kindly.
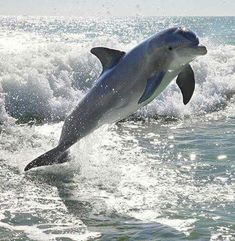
(123, 110)
(119, 113)
(164, 83)
(169, 76)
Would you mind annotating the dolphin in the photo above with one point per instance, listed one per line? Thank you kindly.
(128, 82)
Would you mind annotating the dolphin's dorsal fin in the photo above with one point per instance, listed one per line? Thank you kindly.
(186, 83)
(108, 57)
(151, 86)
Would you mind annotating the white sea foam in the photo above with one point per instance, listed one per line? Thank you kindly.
(47, 80)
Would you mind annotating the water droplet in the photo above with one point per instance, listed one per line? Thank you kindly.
(221, 157)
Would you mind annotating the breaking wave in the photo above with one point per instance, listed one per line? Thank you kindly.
(43, 80)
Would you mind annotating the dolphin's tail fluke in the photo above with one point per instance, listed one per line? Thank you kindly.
(54, 156)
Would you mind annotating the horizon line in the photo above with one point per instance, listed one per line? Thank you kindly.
(111, 16)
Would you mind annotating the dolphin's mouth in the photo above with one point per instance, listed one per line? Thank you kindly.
(198, 49)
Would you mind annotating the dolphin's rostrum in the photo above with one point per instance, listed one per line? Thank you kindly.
(129, 81)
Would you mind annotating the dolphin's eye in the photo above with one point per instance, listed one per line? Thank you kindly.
(170, 48)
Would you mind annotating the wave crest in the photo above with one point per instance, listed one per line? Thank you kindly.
(47, 82)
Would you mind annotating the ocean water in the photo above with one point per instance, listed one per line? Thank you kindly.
(166, 173)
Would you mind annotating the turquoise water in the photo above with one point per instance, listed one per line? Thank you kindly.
(166, 173)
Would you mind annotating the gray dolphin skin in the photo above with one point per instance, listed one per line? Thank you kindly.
(128, 82)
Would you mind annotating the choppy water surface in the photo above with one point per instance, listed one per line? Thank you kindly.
(168, 173)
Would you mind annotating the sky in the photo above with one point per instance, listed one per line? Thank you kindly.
(89, 8)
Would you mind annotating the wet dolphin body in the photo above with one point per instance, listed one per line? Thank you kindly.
(129, 81)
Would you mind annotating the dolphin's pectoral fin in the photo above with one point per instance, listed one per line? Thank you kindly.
(151, 86)
(108, 57)
(186, 83)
